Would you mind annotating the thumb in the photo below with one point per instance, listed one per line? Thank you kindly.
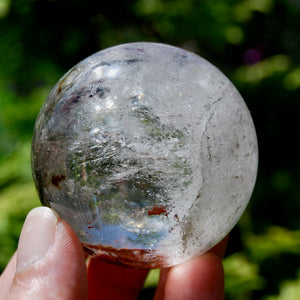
(50, 261)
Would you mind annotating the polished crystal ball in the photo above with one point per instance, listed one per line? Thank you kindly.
(148, 151)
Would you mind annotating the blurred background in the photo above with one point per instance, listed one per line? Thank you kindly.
(256, 43)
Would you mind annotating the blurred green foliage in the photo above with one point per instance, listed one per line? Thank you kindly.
(254, 42)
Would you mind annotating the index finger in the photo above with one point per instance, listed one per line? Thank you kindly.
(110, 281)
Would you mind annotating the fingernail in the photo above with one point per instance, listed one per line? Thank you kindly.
(37, 237)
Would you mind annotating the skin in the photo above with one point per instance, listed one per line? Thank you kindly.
(50, 264)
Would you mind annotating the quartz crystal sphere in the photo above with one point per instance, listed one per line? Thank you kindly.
(148, 151)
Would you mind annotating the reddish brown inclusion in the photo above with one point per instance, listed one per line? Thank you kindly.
(57, 179)
(157, 210)
(135, 258)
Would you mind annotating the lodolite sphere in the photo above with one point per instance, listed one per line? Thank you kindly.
(148, 151)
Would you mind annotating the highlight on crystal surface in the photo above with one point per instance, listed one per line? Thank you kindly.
(148, 151)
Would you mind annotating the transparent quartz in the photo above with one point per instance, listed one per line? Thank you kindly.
(148, 151)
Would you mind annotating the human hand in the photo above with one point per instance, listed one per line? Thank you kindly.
(50, 264)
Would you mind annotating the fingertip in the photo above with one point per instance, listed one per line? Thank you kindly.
(51, 260)
(114, 281)
(220, 248)
(199, 278)
(36, 237)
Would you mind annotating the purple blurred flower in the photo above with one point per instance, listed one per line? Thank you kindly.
(252, 56)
